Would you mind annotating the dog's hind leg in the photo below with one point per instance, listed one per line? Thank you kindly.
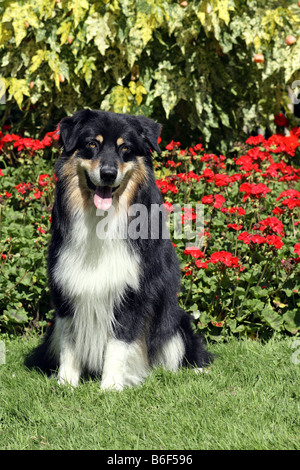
(182, 347)
(170, 355)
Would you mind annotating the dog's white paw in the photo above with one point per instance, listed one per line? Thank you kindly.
(201, 370)
(68, 377)
(111, 383)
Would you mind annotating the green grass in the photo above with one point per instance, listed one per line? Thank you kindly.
(248, 400)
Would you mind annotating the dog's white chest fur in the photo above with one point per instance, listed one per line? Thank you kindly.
(94, 273)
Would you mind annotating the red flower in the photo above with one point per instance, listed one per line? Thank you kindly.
(255, 190)
(235, 226)
(291, 203)
(187, 269)
(165, 186)
(38, 194)
(258, 239)
(173, 144)
(192, 152)
(194, 252)
(201, 264)
(222, 180)
(289, 193)
(273, 224)
(278, 211)
(198, 147)
(275, 241)
(23, 187)
(189, 214)
(255, 140)
(217, 200)
(218, 324)
(209, 174)
(281, 120)
(233, 210)
(280, 143)
(168, 206)
(41, 230)
(207, 199)
(3, 256)
(42, 181)
(10, 138)
(1, 172)
(225, 258)
(297, 249)
(7, 194)
(245, 237)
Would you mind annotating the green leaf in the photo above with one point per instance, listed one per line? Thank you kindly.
(64, 31)
(78, 8)
(120, 99)
(272, 318)
(98, 30)
(292, 321)
(18, 88)
(17, 315)
(36, 60)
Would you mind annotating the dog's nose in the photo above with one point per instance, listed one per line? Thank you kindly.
(108, 174)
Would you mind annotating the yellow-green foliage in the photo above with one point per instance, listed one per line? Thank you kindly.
(189, 62)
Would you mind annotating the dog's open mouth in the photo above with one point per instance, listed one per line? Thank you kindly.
(102, 194)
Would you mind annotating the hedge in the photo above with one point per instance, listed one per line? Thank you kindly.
(206, 69)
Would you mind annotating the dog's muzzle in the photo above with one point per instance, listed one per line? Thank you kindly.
(103, 184)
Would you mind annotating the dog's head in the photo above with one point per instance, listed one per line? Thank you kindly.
(103, 151)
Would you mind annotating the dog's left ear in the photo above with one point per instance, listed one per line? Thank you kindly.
(150, 131)
(69, 129)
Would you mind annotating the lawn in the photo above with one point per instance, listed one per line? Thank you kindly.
(248, 400)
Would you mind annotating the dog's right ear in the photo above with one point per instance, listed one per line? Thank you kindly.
(68, 133)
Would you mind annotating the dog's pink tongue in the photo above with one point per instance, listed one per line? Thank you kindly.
(103, 198)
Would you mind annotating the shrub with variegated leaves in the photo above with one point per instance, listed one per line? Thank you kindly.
(191, 65)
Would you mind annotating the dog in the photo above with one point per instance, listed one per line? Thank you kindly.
(114, 290)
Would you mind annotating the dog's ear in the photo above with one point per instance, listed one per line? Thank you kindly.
(68, 133)
(150, 131)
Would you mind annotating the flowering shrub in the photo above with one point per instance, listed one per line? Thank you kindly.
(26, 197)
(240, 273)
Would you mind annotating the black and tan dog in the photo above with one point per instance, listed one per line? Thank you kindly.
(115, 292)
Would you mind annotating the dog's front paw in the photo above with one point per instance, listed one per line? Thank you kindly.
(111, 383)
(68, 377)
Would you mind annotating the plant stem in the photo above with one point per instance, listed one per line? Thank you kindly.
(262, 274)
(234, 294)
(294, 231)
(191, 287)
(282, 284)
(246, 293)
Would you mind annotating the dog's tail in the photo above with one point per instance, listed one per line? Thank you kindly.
(43, 357)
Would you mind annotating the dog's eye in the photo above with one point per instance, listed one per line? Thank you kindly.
(124, 148)
(92, 144)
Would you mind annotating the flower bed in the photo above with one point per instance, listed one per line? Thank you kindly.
(240, 273)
